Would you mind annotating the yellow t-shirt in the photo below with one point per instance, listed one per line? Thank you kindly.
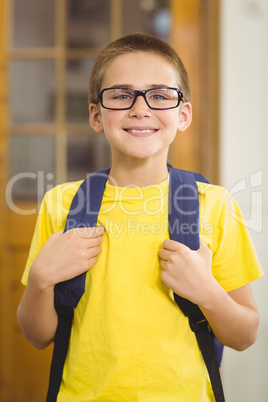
(130, 341)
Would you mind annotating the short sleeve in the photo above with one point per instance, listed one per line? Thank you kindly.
(235, 262)
(43, 229)
(51, 218)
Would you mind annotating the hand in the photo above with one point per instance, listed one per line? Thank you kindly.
(188, 273)
(66, 255)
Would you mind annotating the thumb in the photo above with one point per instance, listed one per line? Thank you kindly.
(203, 247)
(59, 233)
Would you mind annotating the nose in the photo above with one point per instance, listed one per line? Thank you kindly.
(140, 108)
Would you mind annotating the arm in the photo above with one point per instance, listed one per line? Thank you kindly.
(64, 256)
(238, 311)
(232, 316)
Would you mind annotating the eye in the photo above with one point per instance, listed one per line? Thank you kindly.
(122, 94)
(158, 95)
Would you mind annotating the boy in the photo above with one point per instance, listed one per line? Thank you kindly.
(129, 340)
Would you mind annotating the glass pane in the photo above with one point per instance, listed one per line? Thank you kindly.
(85, 154)
(32, 92)
(151, 16)
(31, 166)
(34, 23)
(88, 23)
(77, 78)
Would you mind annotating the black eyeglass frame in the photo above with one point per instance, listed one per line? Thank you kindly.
(143, 94)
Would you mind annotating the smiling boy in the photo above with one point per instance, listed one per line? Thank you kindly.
(129, 340)
(140, 133)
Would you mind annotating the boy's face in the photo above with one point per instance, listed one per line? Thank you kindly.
(140, 132)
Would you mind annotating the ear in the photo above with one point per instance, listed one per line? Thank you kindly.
(185, 116)
(95, 119)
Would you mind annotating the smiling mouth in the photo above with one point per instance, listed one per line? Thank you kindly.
(141, 132)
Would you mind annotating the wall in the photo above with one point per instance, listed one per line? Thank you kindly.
(243, 166)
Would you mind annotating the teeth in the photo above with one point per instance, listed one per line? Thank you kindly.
(142, 131)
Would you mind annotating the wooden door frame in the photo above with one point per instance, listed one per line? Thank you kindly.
(4, 292)
(195, 36)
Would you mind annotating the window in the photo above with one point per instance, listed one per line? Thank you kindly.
(53, 46)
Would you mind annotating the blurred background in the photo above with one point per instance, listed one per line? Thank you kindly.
(47, 50)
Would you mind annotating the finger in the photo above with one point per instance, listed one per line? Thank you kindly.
(90, 233)
(202, 244)
(203, 247)
(91, 262)
(172, 245)
(163, 264)
(93, 242)
(59, 233)
(93, 252)
(95, 232)
(164, 254)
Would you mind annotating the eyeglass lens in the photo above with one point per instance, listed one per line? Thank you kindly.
(159, 98)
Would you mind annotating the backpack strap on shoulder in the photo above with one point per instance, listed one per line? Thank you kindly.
(83, 212)
(184, 228)
(183, 208)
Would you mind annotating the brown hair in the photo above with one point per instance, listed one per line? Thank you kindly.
(135, 43)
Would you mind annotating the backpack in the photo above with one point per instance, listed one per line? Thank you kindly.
(183, 217)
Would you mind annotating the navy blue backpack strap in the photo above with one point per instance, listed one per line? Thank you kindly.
(184, 228)
(83, 212)
(183, 208)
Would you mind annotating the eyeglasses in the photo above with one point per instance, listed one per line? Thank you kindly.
(124, 98)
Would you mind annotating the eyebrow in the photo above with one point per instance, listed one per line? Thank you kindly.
(129, 86)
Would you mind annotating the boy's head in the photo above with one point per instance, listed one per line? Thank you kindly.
(137, 42)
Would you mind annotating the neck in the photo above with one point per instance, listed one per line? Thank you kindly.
(141, 173)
